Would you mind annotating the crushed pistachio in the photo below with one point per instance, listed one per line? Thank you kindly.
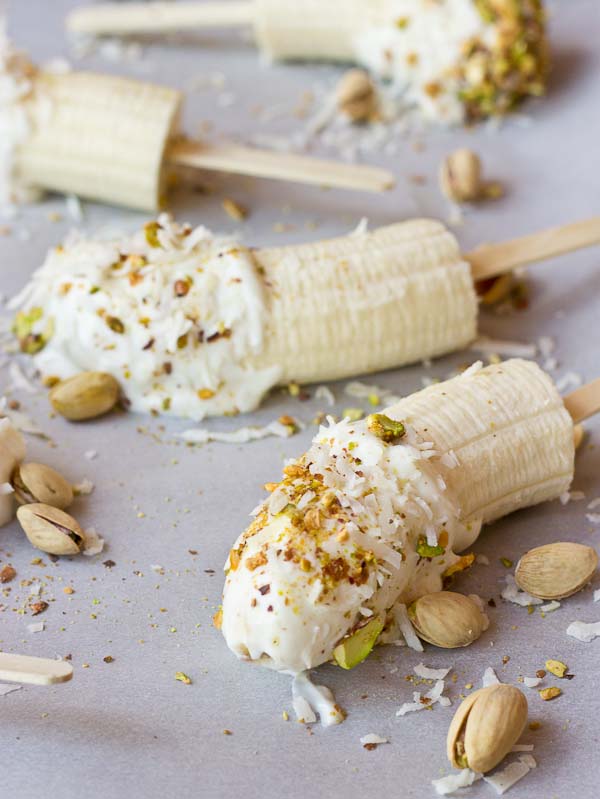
(506, 562)
(353, 414)
(557, 668)
(548, 694)
(383, 427)
(181, 676)
(151, 231)
(425, 550)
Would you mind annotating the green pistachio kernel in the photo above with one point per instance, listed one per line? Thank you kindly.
(425, 550)
(383, 427)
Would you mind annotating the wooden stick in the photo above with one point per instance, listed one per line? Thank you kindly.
(130, 18)
(492, 260)
(36, 671)
(280, 166)
(584, 402)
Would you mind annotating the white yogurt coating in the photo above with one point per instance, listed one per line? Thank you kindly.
(172, 312)
(16, 102)
(419, 49)
(292, 592)
(12, 452)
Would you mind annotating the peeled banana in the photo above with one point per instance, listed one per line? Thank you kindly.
(456, 59)
(195, 325)
(12, 452)
(369, 519)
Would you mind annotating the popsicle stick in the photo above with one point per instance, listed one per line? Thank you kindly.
(36, 671)
(280, 166)
(584, 402)
(492, 260)
(130, 18)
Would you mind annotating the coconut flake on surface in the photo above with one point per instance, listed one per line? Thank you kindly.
(326, 394)
(420, 702)
(489, 677)
(94, 544)
(430, 674)
(501, 781)
(8, 689)
(595, 503)
(21, 421)
(304, 712)
(583, 631)
(74, 208)
(568, 382)
(241, 436)
(6, 489)
(512, 593)
(365, 391)
(373, 739)
(84, 487)
(550, 606)
(90, 454)
(36, 627)
(406, 628)
(594, 518)
(19, 379)
(453, 782)
(532, 682)
(482, 560)
(596, 597)
(510, 349)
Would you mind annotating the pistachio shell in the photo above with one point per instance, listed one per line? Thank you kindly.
(460, 176)
(356, 96)
(85, 396)
(578, 434)
(486, 726)
(447, 619)
(555, 571)
(36, 482)
(50, 529)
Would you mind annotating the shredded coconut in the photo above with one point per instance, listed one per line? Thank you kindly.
(430, 674)
(583, 631)
(453, 782)
(489, 677)
(512, 593)
(501, 781)
(241, 436)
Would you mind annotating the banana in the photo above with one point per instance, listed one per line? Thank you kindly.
(456, 60)
(12, 452)
(370, 517)
(366, 302)
(194, 325)
(99, 137)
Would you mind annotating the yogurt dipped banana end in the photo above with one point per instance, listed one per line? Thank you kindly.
(197, 325)
(370, 518)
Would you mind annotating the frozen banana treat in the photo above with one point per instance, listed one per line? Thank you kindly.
(372, 516)
(456, 60)
(12, 452)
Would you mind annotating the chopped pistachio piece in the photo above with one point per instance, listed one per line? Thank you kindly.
(426, 550)
(151, 230)
(550, 693)
(556, 667)
(356, 647)
(383, 427)
(353, 414)
(181, 676)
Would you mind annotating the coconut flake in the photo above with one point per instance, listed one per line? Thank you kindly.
(430, 674)
(594, 518)
(550, 606)
(453, 782)
(595, 503)
(6, 489)
(241, 436)
(94, 544)
(501, 781)
(90, 454)
(325, 393)
(306, 696)
(433, 696)
(489, 677)
(406, 628)
(36, 627)
(583, 631)
(83, 488)
(482, 560)
(512, 593)
(532, 682)
(571, 496)
(597, 595)
(510, 349)
(373, 738)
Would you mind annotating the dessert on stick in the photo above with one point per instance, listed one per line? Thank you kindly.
(457, 60)
(370, 518)
(113, 139)
(196, 325)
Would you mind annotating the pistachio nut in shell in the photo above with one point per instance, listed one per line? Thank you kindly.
(460, 176)
(36, 482)
(85, 396)
(486, 726)
(50, 529)
(555, 571)
(447, 619)
(356, 96)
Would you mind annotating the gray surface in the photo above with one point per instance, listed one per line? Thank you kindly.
(127, 728)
